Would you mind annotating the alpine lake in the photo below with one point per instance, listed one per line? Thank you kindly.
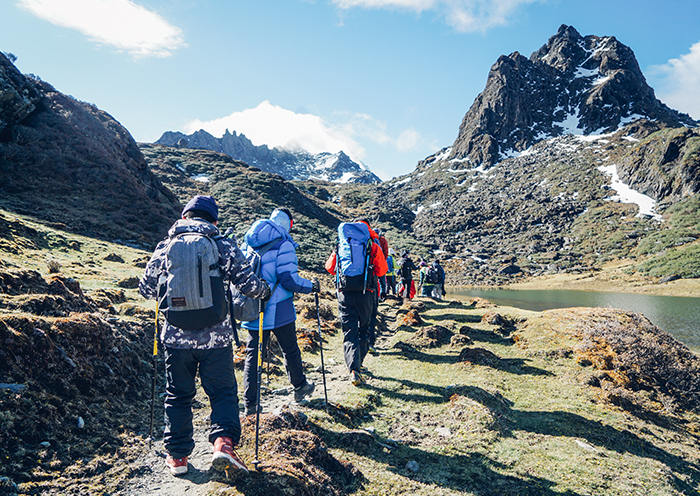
(680, 316)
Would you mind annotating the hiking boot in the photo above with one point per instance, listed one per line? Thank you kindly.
(250, 411)
(372, 350)
(177, 466)
(356, 378)
(225, 457)
(301, 393)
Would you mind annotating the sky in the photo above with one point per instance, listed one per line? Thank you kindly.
(387, 81)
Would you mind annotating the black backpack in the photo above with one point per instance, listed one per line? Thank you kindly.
(406, 269)
(432, 276)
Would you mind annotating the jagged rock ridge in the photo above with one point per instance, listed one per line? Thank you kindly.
(571, 85)
(334, 167)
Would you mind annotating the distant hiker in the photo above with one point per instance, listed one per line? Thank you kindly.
(357, 262)
(390, 273)
(187, 275)
(439, 289)
(406, 273)
(384, 244)
(427, 279)
(272, 243)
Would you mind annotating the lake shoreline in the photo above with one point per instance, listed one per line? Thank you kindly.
(599, 281)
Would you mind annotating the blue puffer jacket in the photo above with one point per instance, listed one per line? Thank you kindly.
(279, 267)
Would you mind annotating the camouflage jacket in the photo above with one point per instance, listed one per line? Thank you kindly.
(236, 271)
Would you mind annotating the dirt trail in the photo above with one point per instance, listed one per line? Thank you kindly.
(155, 479)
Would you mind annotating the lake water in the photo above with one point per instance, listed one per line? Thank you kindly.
(679, 316)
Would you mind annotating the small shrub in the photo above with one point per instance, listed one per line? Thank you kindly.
(54, 266)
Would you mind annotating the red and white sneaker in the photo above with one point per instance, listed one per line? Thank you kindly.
(225, 457)
(177, 466)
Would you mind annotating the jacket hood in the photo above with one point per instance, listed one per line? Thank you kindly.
(264, 231)
(281, 219)
(193, 225)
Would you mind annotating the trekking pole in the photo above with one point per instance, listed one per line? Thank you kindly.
(256, 462)
(267, 353)
(155, 373)
(320, 342)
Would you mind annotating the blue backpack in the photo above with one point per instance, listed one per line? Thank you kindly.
(352, 261)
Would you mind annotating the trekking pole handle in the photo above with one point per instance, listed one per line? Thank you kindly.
(260, 333)
(155, 332)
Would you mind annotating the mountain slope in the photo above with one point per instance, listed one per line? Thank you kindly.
(527, 189)
(245, 194)
(334, 167)
(69, 162)
(571, 85)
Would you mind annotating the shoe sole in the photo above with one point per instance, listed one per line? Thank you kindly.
(177, 470)
(304, 396)
(358, 382)
(223, 463)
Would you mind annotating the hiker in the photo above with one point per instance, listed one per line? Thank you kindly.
(439, 289)
(357, 262)
(271, 240)
(378, 295)
(384, 244)
(406, 273)
(187, 274)
(426, 280)
(390, 273)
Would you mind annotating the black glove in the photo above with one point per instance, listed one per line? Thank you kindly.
(316, 286)
(266, 292)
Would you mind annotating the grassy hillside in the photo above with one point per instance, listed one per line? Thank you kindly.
(245, 194)
(461, 399)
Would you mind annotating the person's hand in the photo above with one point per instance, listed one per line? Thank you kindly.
(316, 286)
(266, 292)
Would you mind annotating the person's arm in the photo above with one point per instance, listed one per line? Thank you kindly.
(287, 270)
(148, 285)
(330, 263)
(378, 260)
(239, 272)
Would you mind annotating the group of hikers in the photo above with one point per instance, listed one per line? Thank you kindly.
(202, 279)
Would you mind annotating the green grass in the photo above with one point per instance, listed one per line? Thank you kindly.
(683, 261)
(526, 424)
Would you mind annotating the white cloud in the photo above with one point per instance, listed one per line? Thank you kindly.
(463, 15)
(679, 82)
(407, 140)
(120, 23)
(275, 126)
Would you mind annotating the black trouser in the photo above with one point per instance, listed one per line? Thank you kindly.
(391, 284)
(382, 285)
(372, 329)
(216, 372)
(287, 338)
(406, 288)
(355, 310)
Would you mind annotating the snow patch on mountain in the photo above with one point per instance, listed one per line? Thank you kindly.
(625, 194)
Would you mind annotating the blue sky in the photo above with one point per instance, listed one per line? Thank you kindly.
(387, 80)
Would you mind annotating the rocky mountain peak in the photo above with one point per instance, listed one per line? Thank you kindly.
(573, 84)
(335, 167)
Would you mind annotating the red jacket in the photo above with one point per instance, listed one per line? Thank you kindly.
(385, 245)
